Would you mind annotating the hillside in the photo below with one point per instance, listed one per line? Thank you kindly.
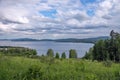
(84, 40)
(24, 39)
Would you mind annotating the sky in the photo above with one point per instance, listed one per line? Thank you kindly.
(55, 19)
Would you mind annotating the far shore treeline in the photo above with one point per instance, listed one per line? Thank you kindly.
(17, 51)
(22, 51)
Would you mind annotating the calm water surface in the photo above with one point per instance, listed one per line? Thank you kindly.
(43, 46)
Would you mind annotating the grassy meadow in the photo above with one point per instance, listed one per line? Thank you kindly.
(47, 68)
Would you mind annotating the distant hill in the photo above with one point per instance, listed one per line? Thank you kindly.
(46, 40)
(4, 39)
(85, 40)
(24, 39)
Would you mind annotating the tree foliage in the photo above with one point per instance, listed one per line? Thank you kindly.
(17, 51)
(57, 55)
(50, 53)
(106, 49)
(63, 55)
(72, 53)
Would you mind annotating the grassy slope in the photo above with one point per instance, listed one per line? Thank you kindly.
(20, 68)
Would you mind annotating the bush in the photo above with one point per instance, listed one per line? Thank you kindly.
(50, 53)
(33, 73)
(57, 56)
(72, 53)
(63, 56)
(107, 63)
(117, 75)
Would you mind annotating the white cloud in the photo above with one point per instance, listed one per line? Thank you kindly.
(23, 17)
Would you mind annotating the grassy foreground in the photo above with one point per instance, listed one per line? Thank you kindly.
(21, 68)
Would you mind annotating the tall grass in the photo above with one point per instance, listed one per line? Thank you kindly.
(21, 68)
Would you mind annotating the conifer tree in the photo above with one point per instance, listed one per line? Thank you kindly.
(50, 53)
(63, 55)
(72, 53)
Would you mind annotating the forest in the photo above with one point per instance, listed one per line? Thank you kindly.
(108, 49)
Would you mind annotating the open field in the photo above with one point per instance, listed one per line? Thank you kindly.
(46, 68)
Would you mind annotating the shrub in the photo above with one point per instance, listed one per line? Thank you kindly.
(63, 55)
(72, 53)
(50, 53)
(57, 56)
(107, 63)
(117, 75)
(33, 73)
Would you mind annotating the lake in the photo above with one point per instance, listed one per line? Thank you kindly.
(43, 46)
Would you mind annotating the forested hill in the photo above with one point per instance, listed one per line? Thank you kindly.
(85, 40)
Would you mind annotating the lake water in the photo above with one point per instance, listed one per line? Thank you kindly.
(43, 46)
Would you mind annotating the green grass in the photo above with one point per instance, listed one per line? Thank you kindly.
(22, 68)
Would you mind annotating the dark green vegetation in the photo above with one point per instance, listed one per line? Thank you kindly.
(63, 55)
(57, 56)
(72, 54)
(50, 53)
(32, 53)
(104, 50)
(17, 51)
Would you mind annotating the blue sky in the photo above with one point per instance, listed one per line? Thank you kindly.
(42, 19)
(49, 13)
(85, 2)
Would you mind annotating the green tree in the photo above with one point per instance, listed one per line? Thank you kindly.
(99, 50)
(34, 52)
(72, 53)
(50, 53)
(57, 55)
(89, 55)
(108, 49)
(63, 55)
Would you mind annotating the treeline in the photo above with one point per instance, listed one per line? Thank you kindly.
(21, 51)
(72, 54)
(17, 51)
(106, 49)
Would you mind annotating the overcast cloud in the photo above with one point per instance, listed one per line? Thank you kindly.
(58, 18)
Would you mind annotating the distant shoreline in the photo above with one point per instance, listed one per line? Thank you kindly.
(70, 40)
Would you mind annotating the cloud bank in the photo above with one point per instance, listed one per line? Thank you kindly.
(58, 18)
